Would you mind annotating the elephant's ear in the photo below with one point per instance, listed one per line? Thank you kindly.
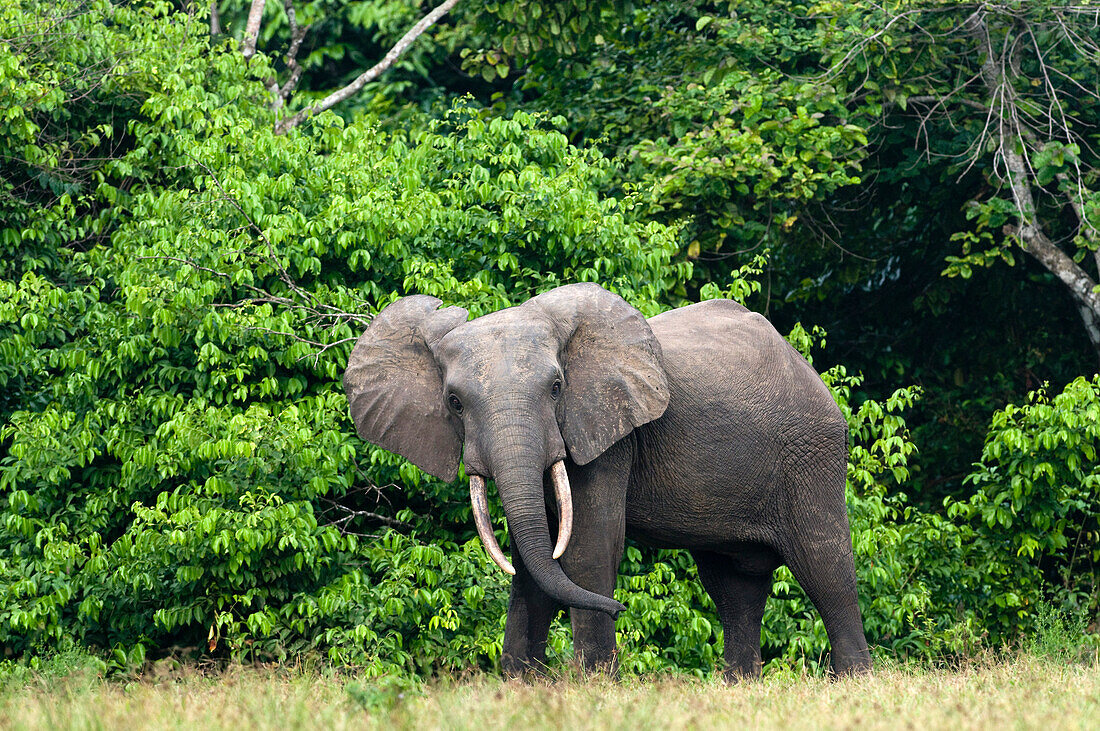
(395, 387)
(614, 376)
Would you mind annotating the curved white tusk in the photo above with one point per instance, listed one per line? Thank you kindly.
(565, 506)
(480, 501)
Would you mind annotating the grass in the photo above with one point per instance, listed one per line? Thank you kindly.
(1022, 692)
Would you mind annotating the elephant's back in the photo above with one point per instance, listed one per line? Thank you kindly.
(720, 348)
(743, 404)
(718, 329)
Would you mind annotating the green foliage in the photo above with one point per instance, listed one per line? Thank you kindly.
(713, 111)
(758, 148)
(1036, 509)
(515, 30)
(178, 467)
(670, 623)
(179, 289)
(1059, 635)
(742, 284)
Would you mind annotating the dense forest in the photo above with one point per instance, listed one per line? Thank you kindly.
(202, 205)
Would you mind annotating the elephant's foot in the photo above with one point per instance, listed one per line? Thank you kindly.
(846, 667)
(594, 647)
(596, 663)
(522, 668)
(745, 669)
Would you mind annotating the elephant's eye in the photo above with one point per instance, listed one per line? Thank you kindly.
(455, 403)
(555, 390)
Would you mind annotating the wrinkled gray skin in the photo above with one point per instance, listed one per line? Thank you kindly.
(700, 428)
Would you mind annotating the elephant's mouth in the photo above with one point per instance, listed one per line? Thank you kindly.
(479, 500)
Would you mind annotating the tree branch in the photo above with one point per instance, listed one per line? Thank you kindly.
(252, 29)
(215, 19)
(1010, 135)
(291, 58)
(369, 75)
(347, 513)
(941, 101)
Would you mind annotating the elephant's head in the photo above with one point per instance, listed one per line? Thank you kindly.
(575, 368)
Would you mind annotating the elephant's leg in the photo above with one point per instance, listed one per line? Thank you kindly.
(592, 559)
(819, 554)
(828, 575)
(530, 612)
(739, 597)
(594, 632)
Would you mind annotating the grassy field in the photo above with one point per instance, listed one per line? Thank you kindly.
(1023, 692)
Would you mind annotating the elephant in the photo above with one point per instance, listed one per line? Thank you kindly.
(700, 428)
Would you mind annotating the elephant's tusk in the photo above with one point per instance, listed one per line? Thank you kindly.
(565, 506)
(479, 499)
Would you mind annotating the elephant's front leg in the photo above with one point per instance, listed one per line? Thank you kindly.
(592, 559)
(530, 612)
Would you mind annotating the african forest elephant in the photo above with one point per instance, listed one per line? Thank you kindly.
(700, 428)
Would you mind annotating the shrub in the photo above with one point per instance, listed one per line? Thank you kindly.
(178, 468)
(1035, 513)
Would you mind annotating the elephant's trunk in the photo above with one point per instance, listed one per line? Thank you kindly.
(521, 490)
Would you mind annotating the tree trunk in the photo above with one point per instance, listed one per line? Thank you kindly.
(1011, 143)
(252, 29)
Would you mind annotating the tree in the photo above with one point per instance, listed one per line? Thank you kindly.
(487, 40)
(360, 81)
(709, 107)
(1006, 90)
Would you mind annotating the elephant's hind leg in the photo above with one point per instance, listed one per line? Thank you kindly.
(819, 555)
(818, 545)
(739, 596)
(828, 576)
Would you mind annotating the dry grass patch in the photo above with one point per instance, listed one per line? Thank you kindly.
(1021, 693)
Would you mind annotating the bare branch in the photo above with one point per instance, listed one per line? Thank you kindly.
(347, 514)
(252, 29)
(321, 347)
(291, 58)
(1018, 175)
(372, 73)
(941, 101)
(193, 265)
